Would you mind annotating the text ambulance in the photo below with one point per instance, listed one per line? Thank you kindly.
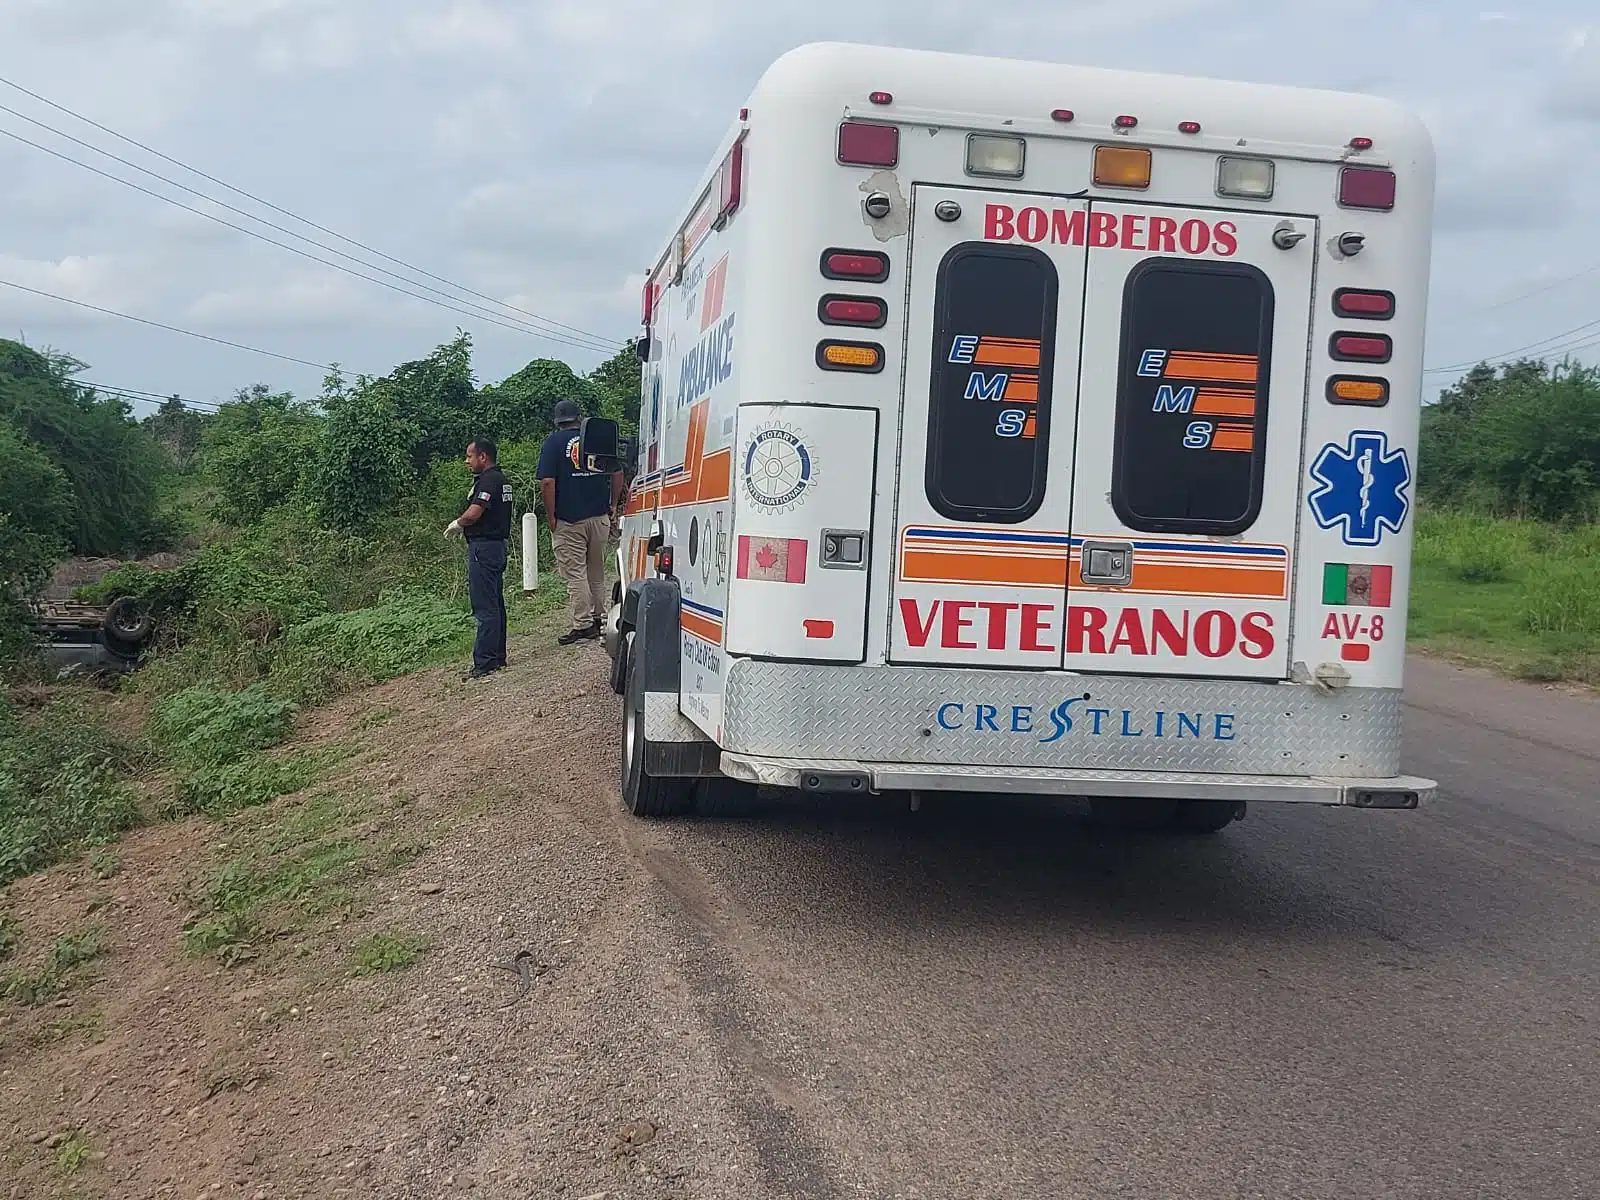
(1010, 426)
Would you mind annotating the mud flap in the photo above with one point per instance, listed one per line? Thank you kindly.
(673, 745)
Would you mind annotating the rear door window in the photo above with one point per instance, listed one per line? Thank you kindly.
(989, 401)
(1192, 397)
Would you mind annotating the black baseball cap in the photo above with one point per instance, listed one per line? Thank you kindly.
(565, 410)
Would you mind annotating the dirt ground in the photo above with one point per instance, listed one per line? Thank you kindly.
(541, 1044)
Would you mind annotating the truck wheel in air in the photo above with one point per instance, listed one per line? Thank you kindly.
(644, 794)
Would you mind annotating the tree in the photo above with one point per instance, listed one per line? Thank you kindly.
(177, 429)
(365, 458)
(113, 465)
(1520, 441)
(618, 379)
(255, 453)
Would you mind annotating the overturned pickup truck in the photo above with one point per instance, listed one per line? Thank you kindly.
(93, 637)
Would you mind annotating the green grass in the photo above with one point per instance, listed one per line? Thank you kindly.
(63, 786)
(105, 864)
(1519, 596)
(387, 952)
(287, 870)
(71, 952)
(73, 1153)
(10, 936)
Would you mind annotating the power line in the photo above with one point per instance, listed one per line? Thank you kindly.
(292, 215)
(205, 337)
(1538, 346)
(602, 347)
(1545, 287)
(205, 406)
(189, 208)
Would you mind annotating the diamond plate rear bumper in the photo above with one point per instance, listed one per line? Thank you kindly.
(963, 718)
(1401, 791)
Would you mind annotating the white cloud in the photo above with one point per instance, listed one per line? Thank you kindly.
(539, 151)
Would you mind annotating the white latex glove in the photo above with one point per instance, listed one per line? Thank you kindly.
(453, 529)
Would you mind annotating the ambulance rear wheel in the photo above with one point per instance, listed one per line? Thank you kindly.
(644, 794)
(1133, 812)
(1206, 816)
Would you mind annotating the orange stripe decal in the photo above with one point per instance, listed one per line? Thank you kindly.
(1007, 352)
(1212, 368)
(1225, 402)
(1023, 389)
(702, 627)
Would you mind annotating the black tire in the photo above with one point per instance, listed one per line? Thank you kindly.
(128, 621)
(1206, 816)
(726, 798)
(1133, 813)
(644, 794)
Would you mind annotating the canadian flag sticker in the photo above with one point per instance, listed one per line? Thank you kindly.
(778, 560)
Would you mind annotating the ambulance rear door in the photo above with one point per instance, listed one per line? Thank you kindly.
(1187, 481)
(981, 539)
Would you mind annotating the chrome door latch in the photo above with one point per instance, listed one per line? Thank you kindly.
(1107, 564)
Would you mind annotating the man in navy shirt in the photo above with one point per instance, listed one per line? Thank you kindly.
(579, 507)
(486, 524)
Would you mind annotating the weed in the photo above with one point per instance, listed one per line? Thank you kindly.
(73, 1153)
(61, 787)
(10, 935)
(293, 868)
(105, 864)
(1564, 598)
(406, 630)
(228, 788)
(90, 1029)
(376, 719)
(71, 951)
(387, 952)
(206, 728)
(1514, 594)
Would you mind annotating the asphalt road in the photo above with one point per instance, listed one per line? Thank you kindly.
(993, 998)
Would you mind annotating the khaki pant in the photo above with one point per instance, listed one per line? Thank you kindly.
(580, 549)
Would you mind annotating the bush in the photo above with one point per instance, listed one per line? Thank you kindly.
(407, 630)
(61, 787)
(205, 728)
(255, 454)
(1564, 597)
(219, 790)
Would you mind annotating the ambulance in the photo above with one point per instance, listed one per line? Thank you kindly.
(1020, 427)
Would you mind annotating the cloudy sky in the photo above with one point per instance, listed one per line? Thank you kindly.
(536, 152)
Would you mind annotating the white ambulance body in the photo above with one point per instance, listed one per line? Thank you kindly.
(1011, 426)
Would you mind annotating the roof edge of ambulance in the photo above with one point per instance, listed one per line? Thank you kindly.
(835, 73)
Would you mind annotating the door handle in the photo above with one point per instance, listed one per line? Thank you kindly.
(1106, 564)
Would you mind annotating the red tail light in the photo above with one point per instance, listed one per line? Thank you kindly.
(880, 97)
(1062, 114)
(1360, 347)
(852, 310)
(649, 300)
(1188, 126)
(866, 144)
(1366, 187)
(1361, 143)
(664, 562)
(1125, 122)
(1355, 302)
(870, 266)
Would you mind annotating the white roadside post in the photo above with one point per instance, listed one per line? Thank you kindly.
(530, 552)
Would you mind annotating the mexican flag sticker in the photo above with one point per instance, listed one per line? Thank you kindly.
(1357, 584)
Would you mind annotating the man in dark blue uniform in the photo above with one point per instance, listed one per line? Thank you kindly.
(486, 524)
(580, 508)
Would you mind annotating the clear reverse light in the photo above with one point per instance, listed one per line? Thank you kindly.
(1248, 178)
(995, 155)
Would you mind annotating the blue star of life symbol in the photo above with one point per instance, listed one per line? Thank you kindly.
(1363, 488)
